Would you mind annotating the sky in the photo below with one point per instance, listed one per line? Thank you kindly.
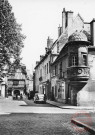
(41, 18)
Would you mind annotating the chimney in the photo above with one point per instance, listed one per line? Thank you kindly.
(63, 20)
(92, 26)
(67, 18)
(46, 49)
(59, 30)
(41, 57)
(49, 42)
(37, 62)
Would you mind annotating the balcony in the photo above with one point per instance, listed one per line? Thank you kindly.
(78, 73)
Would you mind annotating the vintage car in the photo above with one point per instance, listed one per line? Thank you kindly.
(38, 97)
(17, 95)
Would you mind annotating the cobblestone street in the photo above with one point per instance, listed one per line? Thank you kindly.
(36, 123)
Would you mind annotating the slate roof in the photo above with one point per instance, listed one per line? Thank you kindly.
(77, 36)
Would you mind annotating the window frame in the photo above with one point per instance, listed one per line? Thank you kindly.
(84, 60)
(57, 47)
(73, 59)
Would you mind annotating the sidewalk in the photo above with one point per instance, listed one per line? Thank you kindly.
(67, 106)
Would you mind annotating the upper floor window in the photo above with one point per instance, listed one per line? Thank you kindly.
(61, 69)
(55, 70)
(61, 66)
(47, 68)
(57, 47)
(74, 61)
(85, 60)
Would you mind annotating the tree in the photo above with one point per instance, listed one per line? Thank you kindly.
(11, 39)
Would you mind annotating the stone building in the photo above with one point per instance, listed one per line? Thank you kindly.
(71, 57)
(17, 81)
(70, 71)
(42, 71)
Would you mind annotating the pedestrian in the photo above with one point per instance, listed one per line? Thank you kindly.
(21, 96)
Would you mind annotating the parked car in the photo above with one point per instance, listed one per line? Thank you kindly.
(17, 97)
(38, 97)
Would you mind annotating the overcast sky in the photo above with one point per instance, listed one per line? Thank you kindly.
(41, 18)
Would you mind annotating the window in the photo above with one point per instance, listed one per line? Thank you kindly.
(47, 68)
(16, 82)
(55, 70)
(74, 61)
(85, 60)
(55, 91)
(61, 69)
(57, 47)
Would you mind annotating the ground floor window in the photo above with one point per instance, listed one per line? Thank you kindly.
(55, 91)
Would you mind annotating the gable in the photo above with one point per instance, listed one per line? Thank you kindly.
(77, 25)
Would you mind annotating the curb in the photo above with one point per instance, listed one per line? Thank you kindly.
(69, 107)
(86, 127)
(55, 105)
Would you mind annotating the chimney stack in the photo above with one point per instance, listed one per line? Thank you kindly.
(37, 62)
(67, 18)
(41, 57)
(46, 49)
(63, 20)
(49, 42)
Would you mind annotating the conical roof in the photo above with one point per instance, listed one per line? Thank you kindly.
(77, 36)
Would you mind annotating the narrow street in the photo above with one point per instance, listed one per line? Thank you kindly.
(28, 118)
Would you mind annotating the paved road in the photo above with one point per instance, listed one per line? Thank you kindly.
(38, 124)
(28, 118)
(8, 106)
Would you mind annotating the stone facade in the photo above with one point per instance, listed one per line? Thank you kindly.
(70, 58)
(16, 82)
(42, 71)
